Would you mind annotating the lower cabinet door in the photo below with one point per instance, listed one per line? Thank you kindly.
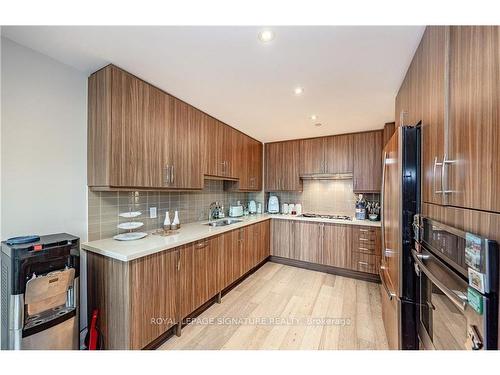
(337, 245)
(307, 242)
(153, 297)
(225, 271)
(198, 275)
(282, 238)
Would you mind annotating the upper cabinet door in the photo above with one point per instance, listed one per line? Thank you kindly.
(367, 174)
(138, 118)
(212, 143)
(185, 142)
(273, 165)
(432, 54)
(232, 144)
(312, 156)
(471, 168)
(290, 178)
(339, 154)
(256, 177)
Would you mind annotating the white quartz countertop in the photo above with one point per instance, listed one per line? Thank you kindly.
(364, 223)
(191, 232)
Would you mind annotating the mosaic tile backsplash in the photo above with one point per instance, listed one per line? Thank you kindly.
(104, 207)
(325, 197)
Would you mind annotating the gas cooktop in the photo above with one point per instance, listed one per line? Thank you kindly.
(335, 217)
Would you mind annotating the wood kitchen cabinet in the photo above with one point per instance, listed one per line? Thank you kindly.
(282, 166)
(312, 156)
(250, 170)
(307, 242)
(184, 145)
(125, 114)
(367, 174)
(337, 245)
(452, 86)
(333, 154)
(432, 54)
(212, 146)
(139, 136)
(339, 154)
(282, 238)
(153, 295)
(471, 165)
(137, 300)
(198, 274)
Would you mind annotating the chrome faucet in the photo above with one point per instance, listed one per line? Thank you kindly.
(214, 211)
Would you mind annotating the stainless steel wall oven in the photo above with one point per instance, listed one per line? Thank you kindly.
(458, 287)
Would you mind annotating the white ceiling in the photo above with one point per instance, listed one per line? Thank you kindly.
(350, 74)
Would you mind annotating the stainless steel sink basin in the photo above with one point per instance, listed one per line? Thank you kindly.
(224, 222)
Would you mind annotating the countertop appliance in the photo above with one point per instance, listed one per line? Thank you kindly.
(273, 206)
(322, 216)
(40, 293)
(400, 202)
(252, 207)
(236, 210)
(457, 274)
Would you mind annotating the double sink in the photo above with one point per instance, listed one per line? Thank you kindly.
(223, 222)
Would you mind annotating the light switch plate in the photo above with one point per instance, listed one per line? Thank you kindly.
(152, 213)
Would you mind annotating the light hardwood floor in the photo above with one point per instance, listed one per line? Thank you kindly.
(292, 296)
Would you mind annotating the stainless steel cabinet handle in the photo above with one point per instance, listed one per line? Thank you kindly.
(202, 245)
(444, 176)
(361, 263)
(388, 252)
(363, 239)
(363, 248)
(436, 164)
(172, 174)
(167, 175)
(363, 230)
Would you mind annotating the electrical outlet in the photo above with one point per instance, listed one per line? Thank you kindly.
(152, 213)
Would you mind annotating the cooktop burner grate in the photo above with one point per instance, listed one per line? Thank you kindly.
(322, 216)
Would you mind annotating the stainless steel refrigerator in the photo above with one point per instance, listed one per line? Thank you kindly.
(400, 202)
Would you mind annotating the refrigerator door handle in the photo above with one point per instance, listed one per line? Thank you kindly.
(382, 206)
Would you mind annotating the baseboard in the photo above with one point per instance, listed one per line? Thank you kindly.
(326, 269)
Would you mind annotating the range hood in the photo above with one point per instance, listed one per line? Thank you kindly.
(327, 176)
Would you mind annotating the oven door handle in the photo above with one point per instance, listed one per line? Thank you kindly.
(458, 301)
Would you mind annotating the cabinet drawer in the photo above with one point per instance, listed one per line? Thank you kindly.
(364, 262)
(366, 240)
(365, 247)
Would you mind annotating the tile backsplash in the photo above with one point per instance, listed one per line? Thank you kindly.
(105, 206)
(325, 197)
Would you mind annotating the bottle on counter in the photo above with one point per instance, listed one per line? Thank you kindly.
(176, 223)
(360, 208)
(166, 222)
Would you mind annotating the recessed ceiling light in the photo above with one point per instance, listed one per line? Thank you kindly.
(298, 90)
(318, 124)
(266, 36)
(314, 117)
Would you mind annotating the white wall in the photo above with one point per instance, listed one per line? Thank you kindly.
(43, 145)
